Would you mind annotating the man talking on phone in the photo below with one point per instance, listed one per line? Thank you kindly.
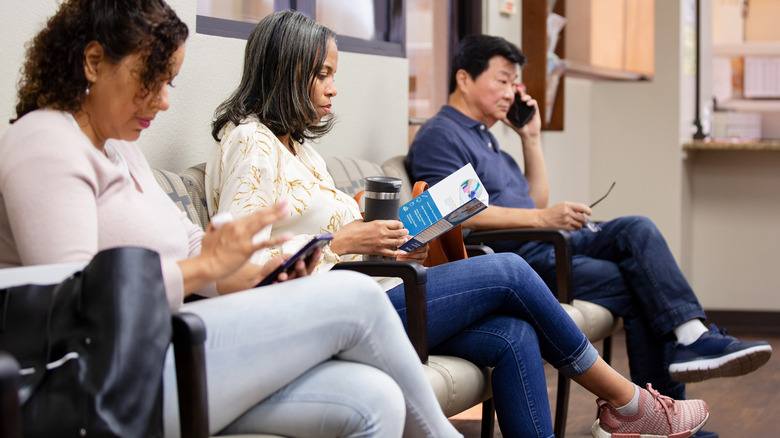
(624, 265)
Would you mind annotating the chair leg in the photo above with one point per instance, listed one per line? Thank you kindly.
(488, 415)
(10, 410)
(607, 355)
(189, 335)
(561, 406)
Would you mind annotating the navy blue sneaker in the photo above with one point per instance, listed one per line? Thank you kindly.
(705, 434)
(715, 354)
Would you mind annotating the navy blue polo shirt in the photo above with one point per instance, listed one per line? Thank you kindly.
(449, 140)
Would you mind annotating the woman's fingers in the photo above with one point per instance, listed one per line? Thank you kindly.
(266, 216)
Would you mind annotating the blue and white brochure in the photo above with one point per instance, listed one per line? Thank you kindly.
(443, 206)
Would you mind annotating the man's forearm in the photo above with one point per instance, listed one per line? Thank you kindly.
(535, 170)
(495, 217)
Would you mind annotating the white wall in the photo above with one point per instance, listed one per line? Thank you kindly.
(372, 105)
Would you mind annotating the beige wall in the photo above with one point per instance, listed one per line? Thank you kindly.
(371, 106)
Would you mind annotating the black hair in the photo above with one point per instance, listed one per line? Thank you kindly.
(474, 52)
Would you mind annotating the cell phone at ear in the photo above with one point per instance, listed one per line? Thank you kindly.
(304, 254)
(520, 113)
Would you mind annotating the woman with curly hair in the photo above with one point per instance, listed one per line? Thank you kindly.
(73, 182)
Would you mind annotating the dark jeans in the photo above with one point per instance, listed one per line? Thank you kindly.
(495, 311)
(628, 268)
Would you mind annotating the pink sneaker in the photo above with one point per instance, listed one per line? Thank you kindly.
(658, 417)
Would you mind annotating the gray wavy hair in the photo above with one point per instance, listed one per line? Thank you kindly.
(283, 54)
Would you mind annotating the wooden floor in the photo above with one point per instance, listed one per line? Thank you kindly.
(740, 407)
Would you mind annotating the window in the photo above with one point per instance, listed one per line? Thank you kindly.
(363, 26)
(611, 39)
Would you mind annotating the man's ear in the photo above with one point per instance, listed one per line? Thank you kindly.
(93, 55)
(462, 78)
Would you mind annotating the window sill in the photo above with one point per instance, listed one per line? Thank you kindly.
(584, 71)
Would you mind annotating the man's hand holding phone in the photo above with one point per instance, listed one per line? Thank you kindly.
(523, 110)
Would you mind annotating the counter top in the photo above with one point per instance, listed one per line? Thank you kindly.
(732, 145)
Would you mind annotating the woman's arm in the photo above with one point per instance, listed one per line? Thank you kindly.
(49, 189)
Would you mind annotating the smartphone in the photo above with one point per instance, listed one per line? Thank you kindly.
(304, 253)
(520, 113)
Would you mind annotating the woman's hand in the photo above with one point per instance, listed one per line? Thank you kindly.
(249, 275)
(418, 255)
(227, 248)
(377, 237)
(302, 267)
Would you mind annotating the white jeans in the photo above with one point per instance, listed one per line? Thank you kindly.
(321, 356)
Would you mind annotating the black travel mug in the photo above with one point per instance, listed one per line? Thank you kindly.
(382, 199)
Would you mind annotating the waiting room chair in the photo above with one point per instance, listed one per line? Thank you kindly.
(596, 322)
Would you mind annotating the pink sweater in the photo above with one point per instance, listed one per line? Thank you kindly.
(62, 200)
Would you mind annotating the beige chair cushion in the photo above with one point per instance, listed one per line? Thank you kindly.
(598, 322)
(465, 384)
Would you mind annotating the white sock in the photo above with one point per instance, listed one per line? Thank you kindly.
(631, 407)
(688, 332)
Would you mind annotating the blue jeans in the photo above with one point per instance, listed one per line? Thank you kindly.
(495, 311)
(628, 268)
(321, 356)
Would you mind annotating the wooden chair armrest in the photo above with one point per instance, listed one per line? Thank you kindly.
(415, 278)
(10, 410)
(560, 239)
(189, 336)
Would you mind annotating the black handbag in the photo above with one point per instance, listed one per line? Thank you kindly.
(91, 349)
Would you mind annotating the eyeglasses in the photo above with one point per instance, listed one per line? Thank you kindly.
(592, 226)
(605, 195)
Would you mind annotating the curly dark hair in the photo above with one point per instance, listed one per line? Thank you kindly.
(283, 54)
(53, 72)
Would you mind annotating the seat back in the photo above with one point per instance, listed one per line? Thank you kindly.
(194, 179)
(174, 187)
(396, 168)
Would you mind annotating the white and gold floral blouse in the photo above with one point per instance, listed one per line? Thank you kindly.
(252, 169)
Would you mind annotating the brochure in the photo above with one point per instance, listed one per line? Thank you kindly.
(443, 206)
